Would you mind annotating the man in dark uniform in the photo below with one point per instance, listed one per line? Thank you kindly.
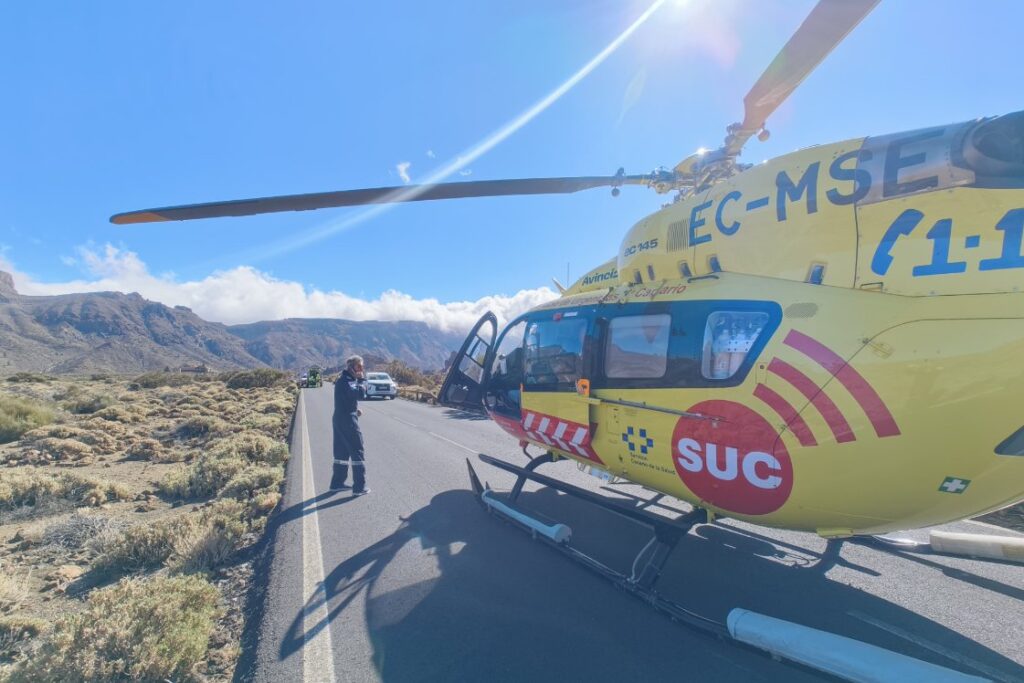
(348, 439)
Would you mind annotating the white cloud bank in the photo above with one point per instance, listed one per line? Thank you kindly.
(244, 294)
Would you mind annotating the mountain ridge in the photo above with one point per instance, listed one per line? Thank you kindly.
(116, 332)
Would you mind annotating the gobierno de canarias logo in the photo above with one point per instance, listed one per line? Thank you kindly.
(735, 463)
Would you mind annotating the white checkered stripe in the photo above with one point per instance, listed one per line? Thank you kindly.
(571, 437)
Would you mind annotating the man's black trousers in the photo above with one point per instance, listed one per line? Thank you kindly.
(348, 452)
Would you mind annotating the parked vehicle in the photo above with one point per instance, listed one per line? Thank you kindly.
(380, 385)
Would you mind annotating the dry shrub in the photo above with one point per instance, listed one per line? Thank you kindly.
(18, 416)
(190, 543)
(252, 479)
(152, 380)
(138, 630)
(274, 425)
(29, 377)
(205, 477)
(253, 446)
(146, 449)
(201, 426)
(210, 541)
(16, 630)
(65, 450)
(123, 414)
(138, 547)
(88, 404)
(75, 531)
(86, 434)
(14, 589)
(265, 502)
(32, 489)
(259, 377)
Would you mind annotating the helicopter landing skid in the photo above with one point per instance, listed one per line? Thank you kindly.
(649, 561)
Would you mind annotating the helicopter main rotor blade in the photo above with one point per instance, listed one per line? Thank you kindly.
(377, 195)
(825, 27)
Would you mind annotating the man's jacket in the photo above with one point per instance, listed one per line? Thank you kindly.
(347, 392)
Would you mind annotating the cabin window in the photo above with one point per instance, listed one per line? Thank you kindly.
(650, 273)
(555, 352)
(684, 269)
(637, 347)
(507, 371)
(637, 277)
(728, 338)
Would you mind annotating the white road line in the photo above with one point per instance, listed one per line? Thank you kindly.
(454, 443)
(993, 673)
(317, 653)
(398, 419)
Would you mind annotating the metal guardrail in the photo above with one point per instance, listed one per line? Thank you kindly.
(418, 395)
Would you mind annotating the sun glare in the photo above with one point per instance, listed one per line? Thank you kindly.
(473, 153)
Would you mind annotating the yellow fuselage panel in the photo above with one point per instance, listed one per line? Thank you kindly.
(899, 404)
(892, 213)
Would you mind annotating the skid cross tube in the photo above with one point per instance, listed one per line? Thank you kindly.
(651, 560)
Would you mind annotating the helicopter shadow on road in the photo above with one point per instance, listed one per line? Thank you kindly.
(469, 415)
(500, 606)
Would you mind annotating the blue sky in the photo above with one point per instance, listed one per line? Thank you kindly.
(116, 106)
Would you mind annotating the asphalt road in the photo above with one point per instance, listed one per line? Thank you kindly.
(415, 582)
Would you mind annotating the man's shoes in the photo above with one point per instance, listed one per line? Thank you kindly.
(360, 492)
(340, 487)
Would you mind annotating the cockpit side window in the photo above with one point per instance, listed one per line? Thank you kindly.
(555, 351)
(637, 346)
(729, 337)
(507, 371)
(686, 344)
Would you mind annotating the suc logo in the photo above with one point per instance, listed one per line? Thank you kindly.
(737, 463)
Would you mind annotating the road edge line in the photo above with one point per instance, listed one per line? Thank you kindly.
(317, 649)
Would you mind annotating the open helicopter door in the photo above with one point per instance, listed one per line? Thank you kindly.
(464, 385)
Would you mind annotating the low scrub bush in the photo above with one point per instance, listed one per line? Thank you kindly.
(139, 630)
(139, 547)
(65, 450)
(190, 543)
(123, 414)
(274, 425)
(15, 630)
(14, 589)
(211, 540)
(32, 488)
(60, 432)
(205, 477)
(18, 416)
(152, 380)
(86, 405)
(75, 531)
(253, 446)
(253, 479)
(29, 377)
(195, 427)
(259, 377)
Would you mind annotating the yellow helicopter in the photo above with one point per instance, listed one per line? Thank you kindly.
(829, 341)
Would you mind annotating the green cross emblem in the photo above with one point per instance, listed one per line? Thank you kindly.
(954, 485)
